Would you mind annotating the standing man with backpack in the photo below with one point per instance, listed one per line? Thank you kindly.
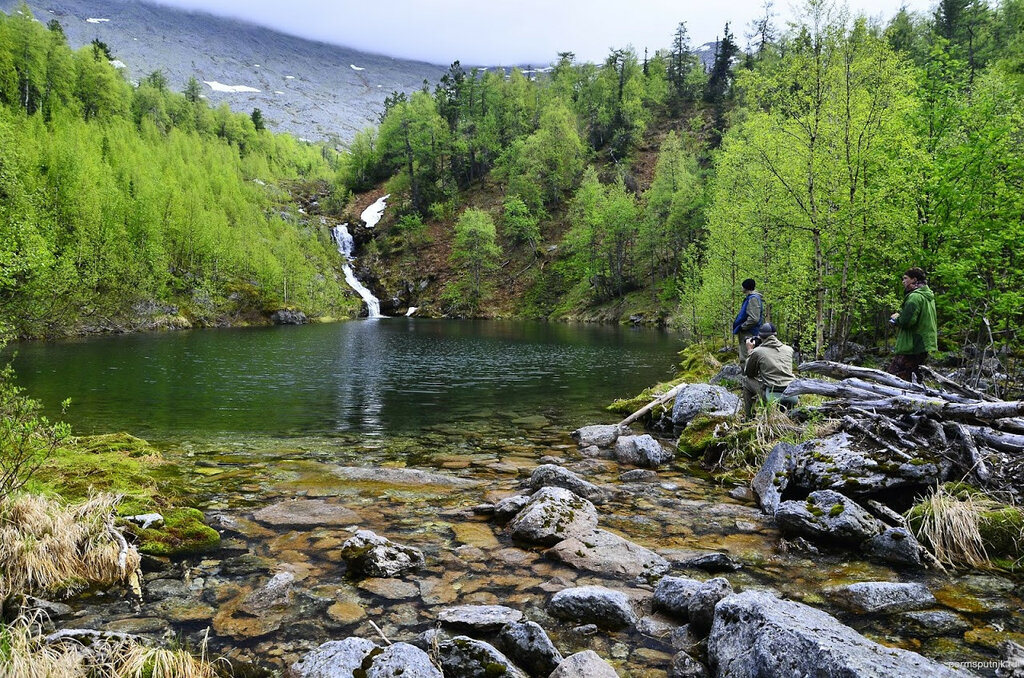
(749, 319)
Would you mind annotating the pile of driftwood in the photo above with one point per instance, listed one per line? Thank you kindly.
(985, 433)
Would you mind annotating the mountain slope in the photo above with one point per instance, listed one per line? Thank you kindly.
(310, 89)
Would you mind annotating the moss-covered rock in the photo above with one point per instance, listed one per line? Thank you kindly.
(697, 364)
(183, 532)
(709, 437)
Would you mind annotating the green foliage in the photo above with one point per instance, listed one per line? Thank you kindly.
(813, 196)
(116, 198)
(474, 256)
(27, 440)
(519, 226)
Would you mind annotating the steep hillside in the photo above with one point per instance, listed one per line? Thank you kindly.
(310, 89)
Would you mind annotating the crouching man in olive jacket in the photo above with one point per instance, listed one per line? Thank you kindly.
(769, 370)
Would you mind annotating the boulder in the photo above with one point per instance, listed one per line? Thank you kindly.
(755, 634)
(715, 401)
(828, 515)
(530, 647)
(333, 659)
(402, 660)
(370, 554)
(465, 657)
(837, 463)
(553, 514)
(586, 664)
(593, 604)
(881, 597)
(771, 481)
(551, 475)
(701, 608)
(642, 451)
(507, 508)
(673, 594)
(286, 316)
(638, 475)
(895, 545)
(602, 435)
(481, 618)
(607, 553)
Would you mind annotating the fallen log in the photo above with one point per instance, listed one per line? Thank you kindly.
(962, 389)
(1008, 442)
(975, 462)
(668, 395)
(831, 389)
(842, 371)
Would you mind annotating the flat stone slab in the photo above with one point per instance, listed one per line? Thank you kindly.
(307, 512)
(608, 553)
(481, 617)
(881, 597)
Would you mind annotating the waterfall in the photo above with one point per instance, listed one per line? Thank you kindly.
(343, 239)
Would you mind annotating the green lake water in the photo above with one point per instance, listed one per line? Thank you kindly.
(396, 375)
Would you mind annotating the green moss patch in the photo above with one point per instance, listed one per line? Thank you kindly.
(697, 364)
(631, 405)
(183, 532)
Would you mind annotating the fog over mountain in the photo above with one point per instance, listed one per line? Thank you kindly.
(310, 89)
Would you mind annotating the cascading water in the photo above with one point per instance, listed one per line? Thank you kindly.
(343, 239)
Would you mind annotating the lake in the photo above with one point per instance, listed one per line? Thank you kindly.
(369, 377)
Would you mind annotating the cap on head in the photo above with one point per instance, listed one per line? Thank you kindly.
(766, 330)
(748, 284)
(917, 274)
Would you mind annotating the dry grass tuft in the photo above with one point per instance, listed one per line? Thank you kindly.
(48, 546)
(153, 662)
(24, 653)
(950, 525)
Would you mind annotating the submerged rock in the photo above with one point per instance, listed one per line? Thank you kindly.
(370, 554)
(755, 634)
(608, 553)
(304, 512)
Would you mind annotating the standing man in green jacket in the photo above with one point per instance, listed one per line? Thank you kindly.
(917, 327)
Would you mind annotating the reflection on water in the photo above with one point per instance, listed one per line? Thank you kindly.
(370, 377)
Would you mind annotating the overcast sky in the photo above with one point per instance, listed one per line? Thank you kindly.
(524, 32)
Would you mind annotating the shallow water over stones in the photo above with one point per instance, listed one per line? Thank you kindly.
(278, 586)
